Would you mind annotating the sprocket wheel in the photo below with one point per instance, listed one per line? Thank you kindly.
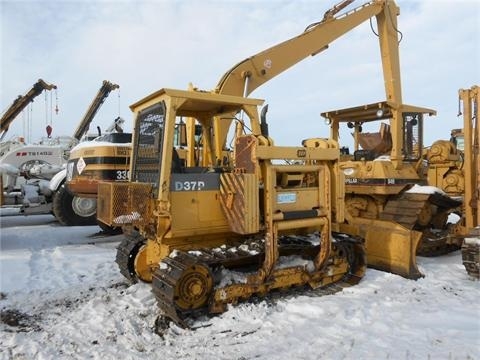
(193, 288)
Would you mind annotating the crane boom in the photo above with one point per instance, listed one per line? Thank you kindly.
(249, 74)
(21, 103)
(102, 94)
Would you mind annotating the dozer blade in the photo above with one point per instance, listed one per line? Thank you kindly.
(389, 246)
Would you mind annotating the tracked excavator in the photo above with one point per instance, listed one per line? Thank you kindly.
(453, 166)
(72, 204)
(226, 228)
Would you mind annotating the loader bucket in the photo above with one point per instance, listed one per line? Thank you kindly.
(389, 246)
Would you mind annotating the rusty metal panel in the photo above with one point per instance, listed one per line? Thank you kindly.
(239, 199)
(245, 158)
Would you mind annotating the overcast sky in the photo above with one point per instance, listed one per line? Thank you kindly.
(146, 45)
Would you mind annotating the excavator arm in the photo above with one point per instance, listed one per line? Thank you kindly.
(102, 94)
(21, 103)
(249, 74)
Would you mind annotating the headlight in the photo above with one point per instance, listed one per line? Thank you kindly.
(348, 171)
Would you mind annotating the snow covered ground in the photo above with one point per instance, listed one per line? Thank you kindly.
(62, 297)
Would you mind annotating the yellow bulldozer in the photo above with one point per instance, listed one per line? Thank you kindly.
(386, 200)
(221, 232)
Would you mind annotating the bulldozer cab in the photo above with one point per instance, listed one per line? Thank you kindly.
(370, 145)
(161, 133)
(174, 160)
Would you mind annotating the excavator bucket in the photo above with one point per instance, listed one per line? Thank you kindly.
(389, 246)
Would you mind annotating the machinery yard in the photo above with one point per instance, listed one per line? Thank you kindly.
(337, 227)
(71, 302)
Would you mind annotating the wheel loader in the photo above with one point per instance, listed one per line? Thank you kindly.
(92, 157)
(224, 230)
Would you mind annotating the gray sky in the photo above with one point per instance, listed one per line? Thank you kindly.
(146, 45)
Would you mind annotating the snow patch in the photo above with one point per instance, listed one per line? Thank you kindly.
(420, 189)
(382, 158)
(229, 277)
(293, 261)
(68, 289)
(126, 219)
(472, 241)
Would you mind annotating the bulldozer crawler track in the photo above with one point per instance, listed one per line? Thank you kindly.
(172, 271)
(414, 211)
(436, 244)
(471, 259)
(126, 252)
(471, 253)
